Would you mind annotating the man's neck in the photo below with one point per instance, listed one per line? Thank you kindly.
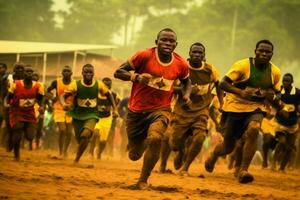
(27, 82)
(196, 64)
(88, 82)
(66, 80)
(165, 58)
(288, 90)
(260, 65)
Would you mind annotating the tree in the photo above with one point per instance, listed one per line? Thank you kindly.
(26, 20)
(212, 23)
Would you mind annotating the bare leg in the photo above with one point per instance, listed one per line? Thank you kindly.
(83, 143)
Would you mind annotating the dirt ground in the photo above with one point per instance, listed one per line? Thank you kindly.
(41, 175)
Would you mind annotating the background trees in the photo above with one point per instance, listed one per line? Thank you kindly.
(228, 29)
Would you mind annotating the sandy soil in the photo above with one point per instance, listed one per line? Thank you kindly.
(41, 175)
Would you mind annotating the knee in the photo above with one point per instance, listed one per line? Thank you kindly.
(86, 133)
(228, 146)
(199, 137)
(134, 156)
(253, 130)
(154, 140)
(175, 144)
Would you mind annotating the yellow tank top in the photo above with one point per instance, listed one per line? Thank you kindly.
(60, 90)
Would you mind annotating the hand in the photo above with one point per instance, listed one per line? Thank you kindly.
(269, 95)
(67, 107)
(283, 113)
(144, 78)
(186, 99)
(41, 110)
(195, 89)
(246, 94)
(115, 114)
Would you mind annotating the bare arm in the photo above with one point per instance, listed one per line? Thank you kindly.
(52, 86)
(123, 72)
(227, 86)
(220, 94)
(187, 89)
(113, 103)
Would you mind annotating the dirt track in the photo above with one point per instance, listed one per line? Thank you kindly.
(40, 175)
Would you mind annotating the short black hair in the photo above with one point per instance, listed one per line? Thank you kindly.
(67, 66)
(166, 30)
(290, 75)
(107, 79)
(3, 65)
(18, 64)
(197, 44)
(88, 65)
(264, 41)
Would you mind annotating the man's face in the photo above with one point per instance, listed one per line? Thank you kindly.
(2, 69)
(166, 42)
(108, 83)
(88, 73)
(263, 53)
(197, 54)
(28, 72)
(35, 76)
(19, 70)
(287, 82)
(66, 72)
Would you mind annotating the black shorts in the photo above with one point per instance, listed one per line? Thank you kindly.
(236, 123)
(137, 124)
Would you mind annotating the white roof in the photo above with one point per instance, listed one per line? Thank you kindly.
(45, 47)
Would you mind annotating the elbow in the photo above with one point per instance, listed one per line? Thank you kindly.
(222, 85)
(117, 73)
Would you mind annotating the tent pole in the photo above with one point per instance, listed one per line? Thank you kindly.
(74, 62)
(18, 57)
(44, 67)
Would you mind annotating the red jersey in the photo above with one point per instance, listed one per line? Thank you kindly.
(158, 93)
(22, 103)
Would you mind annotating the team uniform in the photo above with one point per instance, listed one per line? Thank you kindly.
(195, 116)
(85, 110)
(104, 108)
(22, 111)
(246, 76)
(287, 128)
(59, 114)
(149, 105)
(241, 112)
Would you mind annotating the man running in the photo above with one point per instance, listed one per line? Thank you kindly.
(61, 118)
(155, 70)
(287, 124)
(250, 85)
(101, 131)
(192, 120)
(22, 96)
(84, 110)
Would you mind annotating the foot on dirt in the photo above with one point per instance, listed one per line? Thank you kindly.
(184, 173)
(178, 160)
(245, 177)
(236, 172)
(142, 186)
(166, 171)
(209, 164)
(265, 165)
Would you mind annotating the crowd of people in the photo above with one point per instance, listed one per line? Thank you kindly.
(176, 105)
